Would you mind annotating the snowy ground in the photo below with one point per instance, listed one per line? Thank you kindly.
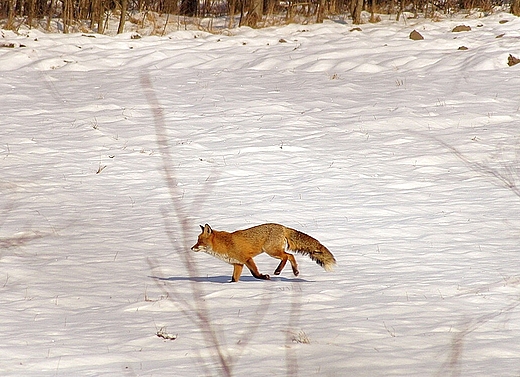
(401, 156)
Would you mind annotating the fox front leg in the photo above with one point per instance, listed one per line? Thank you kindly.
(237, 271)
(254, 270)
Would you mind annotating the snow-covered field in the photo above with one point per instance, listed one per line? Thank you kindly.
(401, 156)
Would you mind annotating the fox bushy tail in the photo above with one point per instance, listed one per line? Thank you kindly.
(302, 243)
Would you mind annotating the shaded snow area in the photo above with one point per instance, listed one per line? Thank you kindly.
(401, 156)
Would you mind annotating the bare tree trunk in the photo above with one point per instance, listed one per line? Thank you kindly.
(320, 12)
(515, 7)
(11, 14)
(373, 11)
(188, 7)
(356, 7)
(400, 11)
(67, 15)
(50, 12)
(232, 9)
(255, 11)
(92, 13)
(333, 7)
(83, 9)
(100, 13)
(122, 19)
(32, 10)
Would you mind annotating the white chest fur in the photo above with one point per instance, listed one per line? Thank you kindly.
(224, 257)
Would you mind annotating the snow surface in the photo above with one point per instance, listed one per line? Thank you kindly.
(401, 156)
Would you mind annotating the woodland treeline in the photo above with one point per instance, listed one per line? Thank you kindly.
(250, 12)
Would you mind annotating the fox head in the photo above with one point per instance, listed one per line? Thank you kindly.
(203, 242)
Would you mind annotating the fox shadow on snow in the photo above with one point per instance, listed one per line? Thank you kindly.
(225, 279)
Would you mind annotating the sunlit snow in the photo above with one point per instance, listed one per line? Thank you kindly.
(401, 156)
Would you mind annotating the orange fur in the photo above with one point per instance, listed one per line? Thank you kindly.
(240, 247)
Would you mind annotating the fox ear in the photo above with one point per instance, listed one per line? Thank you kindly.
(202, 228)
(207, 229)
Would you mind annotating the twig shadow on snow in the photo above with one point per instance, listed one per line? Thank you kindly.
(221, 357)
(224, 279)
(508, 175)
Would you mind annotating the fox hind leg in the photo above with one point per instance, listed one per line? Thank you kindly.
(280, 266)
(287, 257)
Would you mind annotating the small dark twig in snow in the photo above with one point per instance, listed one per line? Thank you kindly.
(162, 333)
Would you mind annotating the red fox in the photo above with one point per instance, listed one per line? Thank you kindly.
(240, 247)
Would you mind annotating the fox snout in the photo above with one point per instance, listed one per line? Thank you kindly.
(199, 247)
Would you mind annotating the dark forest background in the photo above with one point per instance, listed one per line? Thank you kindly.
(95, 13)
